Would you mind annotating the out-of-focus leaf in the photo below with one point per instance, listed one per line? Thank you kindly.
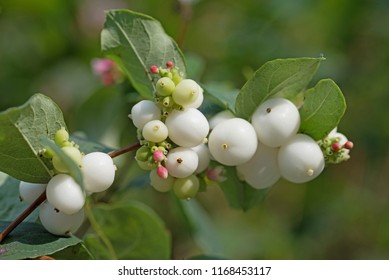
(137, 41)
(21, 129)
(223, 95)
(324, 106)
(132, 230)
(31, 240)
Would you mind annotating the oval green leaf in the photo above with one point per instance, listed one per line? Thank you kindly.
(277, 78)
(137, 41)
(324, 106)
(21, 129)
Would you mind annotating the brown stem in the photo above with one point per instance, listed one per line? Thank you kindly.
(42, 197)
(22, 216)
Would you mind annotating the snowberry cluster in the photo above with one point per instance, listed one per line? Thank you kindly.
(63, 211)
(172, 132)
(270, 146)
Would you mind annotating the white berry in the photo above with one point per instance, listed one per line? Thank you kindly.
(219, 117)
(98, 171)
(143, 112)
(276, 120)
(261, 171)
(199, 100)
(182, 162)
(58, 223)
(233, 142)
(65, 194)
(155, 131)
(29, 192)
(187, 128)
(300, 159)
(202, 152)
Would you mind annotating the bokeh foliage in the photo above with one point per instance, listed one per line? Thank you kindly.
(47, 46)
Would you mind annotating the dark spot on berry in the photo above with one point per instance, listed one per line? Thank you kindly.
(179, 160)
(268, 110)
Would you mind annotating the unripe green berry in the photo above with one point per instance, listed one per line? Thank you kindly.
(142, 154)
(165, 86)
(155, 131)
(186, 188)
(71, 152)
(61, 137)
(186, 92)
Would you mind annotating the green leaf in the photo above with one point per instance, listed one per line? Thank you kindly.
(87, 146)
(202, 227)
(128, 231)
(239, 194)
(277, 78)
(31, 240)
(136, 42)
(21, 129)
(10, 204)
(74, 169)
(222, 94)
(324, 105)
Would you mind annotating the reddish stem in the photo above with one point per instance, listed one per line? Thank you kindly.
(42, 197)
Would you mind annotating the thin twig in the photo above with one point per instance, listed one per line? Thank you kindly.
(42, 197)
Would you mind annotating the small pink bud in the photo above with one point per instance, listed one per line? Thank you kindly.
(349, 145)
(101, 66)
(336, 146)
(154, 69)
(216, 174)
(162, 172)
(169, 64)
(158, 156)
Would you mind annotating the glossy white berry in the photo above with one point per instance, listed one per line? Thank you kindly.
(98, 171)
(261, 171)
(219, 117)
(199, 100)
(233, 142)
(143, 112)
(160, 184)
(65, 194)
(276, 120)
(181, 162)
(186, 92)
(155, 131)
(29, 192)
(202, 152)
(187, 128)
(300, 159)
(58, 223)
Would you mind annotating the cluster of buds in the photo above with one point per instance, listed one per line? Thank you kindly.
(106, 70)
(335, 147)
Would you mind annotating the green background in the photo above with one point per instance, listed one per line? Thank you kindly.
(47, 46)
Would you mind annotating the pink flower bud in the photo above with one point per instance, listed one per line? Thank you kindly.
(158, 156)
(336, 146)
(101, 66)
(169, 64)
(162, 172)
(349, 145)
(154, 69)
(216, 174)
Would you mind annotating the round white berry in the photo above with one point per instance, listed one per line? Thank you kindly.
(187, 128)
(186, 92)
(219, 117)
(98, 171)
(202, 152)
(199, 100)
(181, 162)
(29, 192)
(261, 171)
(143, 112)
(233, 142)
(300, 159)
(160, 184)
(58, 223)
(155, 131)
(65, 194)
(276, 120)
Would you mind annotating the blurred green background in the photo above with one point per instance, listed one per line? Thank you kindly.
(47, 46)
